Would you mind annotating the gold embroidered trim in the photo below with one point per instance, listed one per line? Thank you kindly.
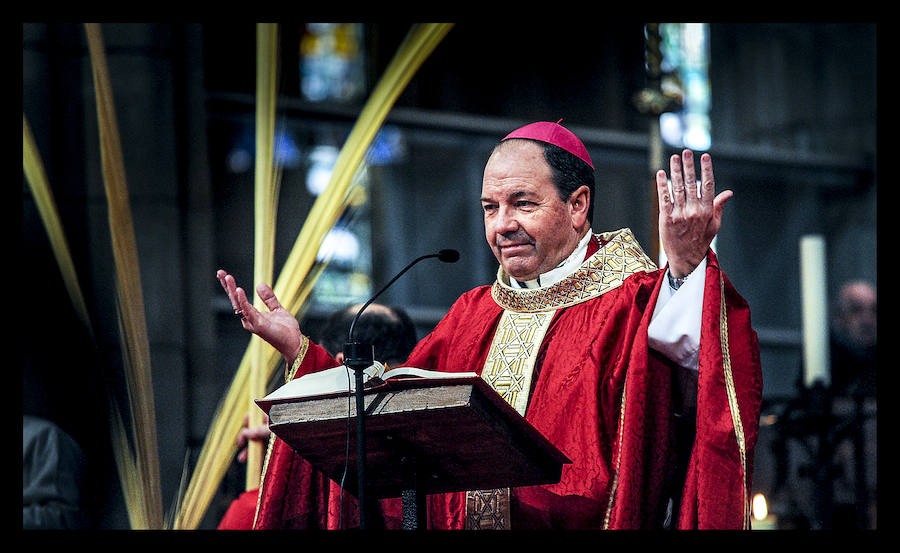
(615, 480)
(510, 362)
(732, 400)
(527, 315)
(619, 257)
(487, 509)
(304, 346)
(289, 375)
(508, 369)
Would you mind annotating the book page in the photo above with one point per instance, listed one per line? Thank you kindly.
(408, 372)
(330, 381)
(342, 380)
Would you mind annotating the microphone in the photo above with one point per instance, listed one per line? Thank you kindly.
(359, 357)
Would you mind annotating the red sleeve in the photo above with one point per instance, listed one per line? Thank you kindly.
(240, 513)
(729, 397)
(293, 494)
(729, 393)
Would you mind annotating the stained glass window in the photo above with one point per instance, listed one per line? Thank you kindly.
(332, 69)
(685, 61)
(346, 249)
(332, 62)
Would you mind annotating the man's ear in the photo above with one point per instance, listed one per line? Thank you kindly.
(579, 205)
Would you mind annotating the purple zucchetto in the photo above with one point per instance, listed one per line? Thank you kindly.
(556, 134)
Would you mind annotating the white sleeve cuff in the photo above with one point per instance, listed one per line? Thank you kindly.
(675, 326)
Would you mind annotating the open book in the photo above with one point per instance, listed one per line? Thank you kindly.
(342, 380)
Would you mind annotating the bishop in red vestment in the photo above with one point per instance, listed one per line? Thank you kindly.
(659, 435)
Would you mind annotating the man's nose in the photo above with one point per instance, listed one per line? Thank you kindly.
(506, 221)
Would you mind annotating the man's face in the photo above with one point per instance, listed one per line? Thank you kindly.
(859, 313)
(529, 229)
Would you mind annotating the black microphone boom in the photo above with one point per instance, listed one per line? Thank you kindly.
(359, 357)
(447, 256)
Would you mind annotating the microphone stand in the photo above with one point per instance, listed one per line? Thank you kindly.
(359, 357)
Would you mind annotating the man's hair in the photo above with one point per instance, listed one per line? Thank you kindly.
(567, 171)
(392, 333)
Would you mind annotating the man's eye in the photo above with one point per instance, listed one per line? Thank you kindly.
(525, 203)
(489, 207)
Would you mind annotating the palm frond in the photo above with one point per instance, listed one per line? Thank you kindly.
(294, 282)
(144, 481)
(266, 201)
(36, 176)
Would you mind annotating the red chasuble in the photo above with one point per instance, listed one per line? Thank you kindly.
(599, 393)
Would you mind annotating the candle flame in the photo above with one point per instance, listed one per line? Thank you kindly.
(760, 509)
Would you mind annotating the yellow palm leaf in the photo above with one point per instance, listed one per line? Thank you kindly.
(266, 201)
(293, 285)
(43, 197)
(130, 301)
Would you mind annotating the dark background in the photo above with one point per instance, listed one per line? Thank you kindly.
(793, 119)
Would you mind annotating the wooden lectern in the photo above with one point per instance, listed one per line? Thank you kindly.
(423, 436)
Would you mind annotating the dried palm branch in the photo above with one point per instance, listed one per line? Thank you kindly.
(416, 47)
(43, 198)
(266, 201)
(293, 285)
(140, 479)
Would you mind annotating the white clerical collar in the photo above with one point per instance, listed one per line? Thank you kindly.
(564, 269)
